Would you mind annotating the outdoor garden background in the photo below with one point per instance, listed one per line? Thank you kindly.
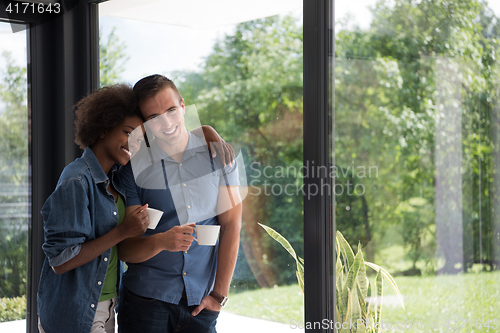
(417, 140)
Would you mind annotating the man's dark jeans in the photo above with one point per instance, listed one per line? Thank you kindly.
(138, 314)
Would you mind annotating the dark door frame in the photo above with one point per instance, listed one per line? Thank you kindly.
(319, 220)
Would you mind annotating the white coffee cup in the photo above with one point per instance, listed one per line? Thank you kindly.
(207, 234)
(154, 217)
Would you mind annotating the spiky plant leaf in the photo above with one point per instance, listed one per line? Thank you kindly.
(351, 277)
(340, 277)
(368, 296)
(345, 249)
(362, 304)
(348, 307)
(340, 307)
(280, 239)
(389, 278)
(355, 309)
(369, 324)
(362, 280)
(300, 275)
(380, 286)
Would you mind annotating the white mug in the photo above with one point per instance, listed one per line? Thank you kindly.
(154, 217)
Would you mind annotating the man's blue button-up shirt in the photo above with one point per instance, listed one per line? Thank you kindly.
(79, 210)
(186, 192)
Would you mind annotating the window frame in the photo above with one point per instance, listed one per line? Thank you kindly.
(319, 219)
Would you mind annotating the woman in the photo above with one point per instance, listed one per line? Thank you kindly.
(84, 218)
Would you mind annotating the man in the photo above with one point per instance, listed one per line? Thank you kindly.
(172, 283)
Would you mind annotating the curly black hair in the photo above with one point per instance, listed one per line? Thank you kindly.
(102, 110)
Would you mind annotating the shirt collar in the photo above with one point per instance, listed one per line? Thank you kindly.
(94, 166)
(194, 145)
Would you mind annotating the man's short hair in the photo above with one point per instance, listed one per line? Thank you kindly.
(153, 84)
(102, 110)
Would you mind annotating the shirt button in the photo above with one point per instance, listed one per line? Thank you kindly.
(180, 164)
(105, 259)
(186, 252)
(99, 282)
(92, 306)
(114, 213)
(189, 207)
(184, 273)
(184, 185)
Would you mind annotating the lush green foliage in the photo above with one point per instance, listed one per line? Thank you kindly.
(419, 62)
(416, 97)
(13, 179)
(250, 91)
(12, 308)
(112, 58)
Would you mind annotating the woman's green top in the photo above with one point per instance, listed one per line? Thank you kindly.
(109, 288)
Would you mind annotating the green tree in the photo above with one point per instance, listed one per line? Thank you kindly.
(13, 119)
(250, 90)
(397, 84)
(112, 58)
(14, 178)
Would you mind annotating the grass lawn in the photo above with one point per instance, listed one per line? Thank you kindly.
(449, 303)
(280, 304)
(434, 301)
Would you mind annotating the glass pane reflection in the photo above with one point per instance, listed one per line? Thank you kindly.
(246, 81)
(416, 102)
(15, 187)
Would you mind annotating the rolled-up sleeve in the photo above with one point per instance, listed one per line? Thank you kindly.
(66, 221)
(127, 178)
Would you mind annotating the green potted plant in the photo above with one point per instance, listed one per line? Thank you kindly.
(358, 300)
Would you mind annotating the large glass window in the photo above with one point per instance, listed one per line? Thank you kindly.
(15, 185)
(416, 162)
(242, 68)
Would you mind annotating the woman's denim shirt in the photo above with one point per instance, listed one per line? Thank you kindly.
(79, 210)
